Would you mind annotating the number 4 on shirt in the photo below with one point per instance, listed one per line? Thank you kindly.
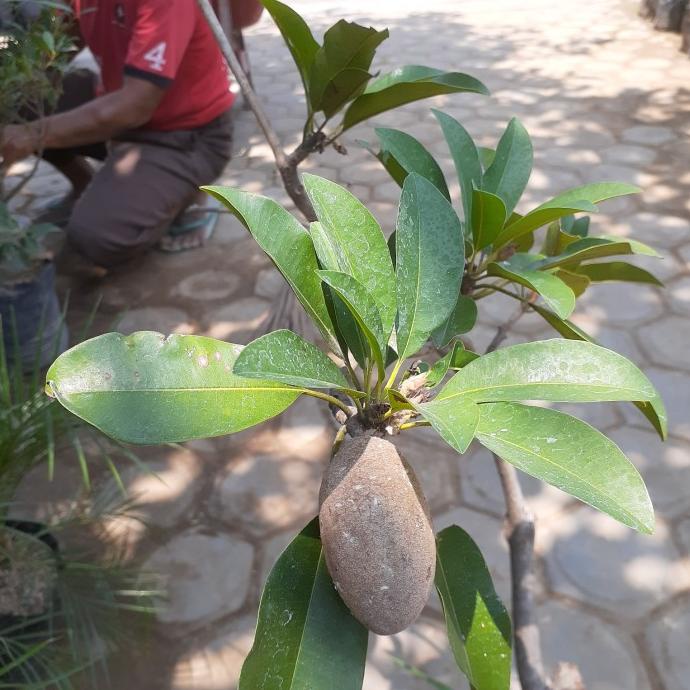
(156, 56)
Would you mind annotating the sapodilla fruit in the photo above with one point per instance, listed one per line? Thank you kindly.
(376, 534)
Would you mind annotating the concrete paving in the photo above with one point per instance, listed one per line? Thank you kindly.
(604, 97)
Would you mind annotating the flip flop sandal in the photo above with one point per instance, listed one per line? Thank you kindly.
(186, 224)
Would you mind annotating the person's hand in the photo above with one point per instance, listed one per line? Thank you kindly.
(17, 142)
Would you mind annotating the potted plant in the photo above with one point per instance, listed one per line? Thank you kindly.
(28, 300)
(35, 47)
(62, 600)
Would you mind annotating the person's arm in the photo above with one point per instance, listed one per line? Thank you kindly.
(98, 120)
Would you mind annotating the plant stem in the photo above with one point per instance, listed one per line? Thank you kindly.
(412, 425)
(338, 440)
(394, 373)
(520, 535)
(328, 398)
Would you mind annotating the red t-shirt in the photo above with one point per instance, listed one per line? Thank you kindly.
(167, 42)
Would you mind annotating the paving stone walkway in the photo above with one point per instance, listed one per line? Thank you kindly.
(604, 97)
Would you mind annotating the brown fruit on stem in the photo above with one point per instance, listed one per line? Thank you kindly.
(376, 534)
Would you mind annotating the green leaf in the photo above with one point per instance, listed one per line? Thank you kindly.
(558, 370)
(466, 161)
(551, 288)
(577, 199)
(340, 67)
(569, 454)
(578, 227)
(488, 217)
(357, 242)
(363, 309)
(305, 636)
(576, 282)
(348, 333)
(146, 388)
(461, 320)
(556, 240)
(411, 156)
(486, 156)
(654, 410)
(616, 271)
(508, 174)
(455, 358)
(566, 328)
(288, 245)
(595, 248)
(405, 85)
(479, 628)
(297, 36)
(49, 41)
(455, 419)
(287, 357)
(344, 87)
(430, 259)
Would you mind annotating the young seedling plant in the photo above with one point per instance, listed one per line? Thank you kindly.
(370, 559)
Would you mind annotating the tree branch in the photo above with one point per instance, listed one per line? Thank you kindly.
(243, 81)
(287, 165)
(520, 535)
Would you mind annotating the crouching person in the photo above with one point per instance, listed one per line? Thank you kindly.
(158, 117)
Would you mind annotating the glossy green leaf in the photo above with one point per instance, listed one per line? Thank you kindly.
(146, 388)
(556, 240)
(486, 156)
(558, 370)
(508, 174)
(297, 36)
(488, 217)
(596, 248)
(455, 419)
(479, 628)
(430, 259)
(569, 454)
(305, 636)
(576, 282)
(288, 245)
(287, 357)
(551, 288)
(465, 159)
(456, 358)
(576, 226)
(389, 162)
(562, 326)
(440, 368)
(340, 68)
(357, 241)
(616, 271)
(411, 156)
(461, 320)
(363, 309)
(350, 337)
(654, 410)
(577, 199)
(405, 85)
(344, 87)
